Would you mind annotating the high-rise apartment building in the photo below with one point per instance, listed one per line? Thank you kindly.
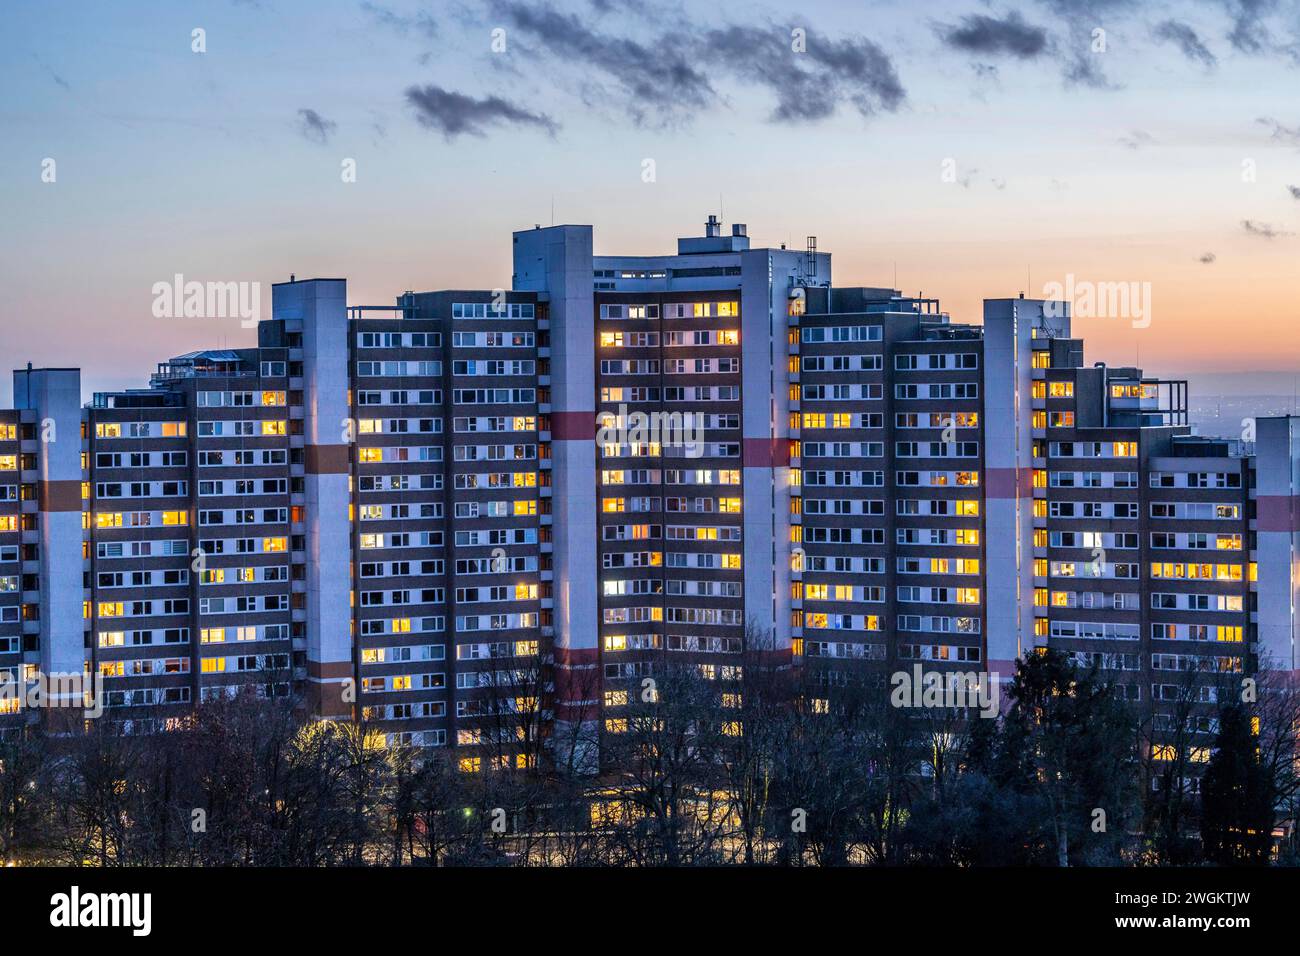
(482, 518)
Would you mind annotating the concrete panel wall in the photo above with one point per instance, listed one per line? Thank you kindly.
(321, 304)
(1277, 520)
(55, 396)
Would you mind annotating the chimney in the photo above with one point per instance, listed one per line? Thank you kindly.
(738, 229)
(712, 228)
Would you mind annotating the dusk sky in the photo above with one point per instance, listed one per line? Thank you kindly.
(1172, 157)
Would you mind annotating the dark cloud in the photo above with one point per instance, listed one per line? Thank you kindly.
(315, 127)
(1249, 34)
(1294, 191)
(1263, 230)
(1208, 258)
(1092, 10)
(660, 80)
(1010, 36)
(454, 114)
(1185, 38)
(419, 23)
(810, 84)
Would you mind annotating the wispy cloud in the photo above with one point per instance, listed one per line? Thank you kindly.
(1294, 191)
(315, 127)
(456, 114)
(1136, 139)
(1249, 34)
(1186, 39)
(421, 22)
(656, 77)
(1207, 258)
(1263, 230)
(1281, 132)
(810, 84)
(53, 74)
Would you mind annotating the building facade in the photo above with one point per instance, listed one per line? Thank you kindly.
(482, 518)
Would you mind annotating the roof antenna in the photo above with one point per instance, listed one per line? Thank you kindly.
(552, 209)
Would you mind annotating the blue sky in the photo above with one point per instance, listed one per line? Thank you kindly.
(1122, 164)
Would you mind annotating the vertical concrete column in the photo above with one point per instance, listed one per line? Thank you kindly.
(766, 279)
(1277, 539)
(321, 304)
(557, 260)
(1009, 326)
(55, 396)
